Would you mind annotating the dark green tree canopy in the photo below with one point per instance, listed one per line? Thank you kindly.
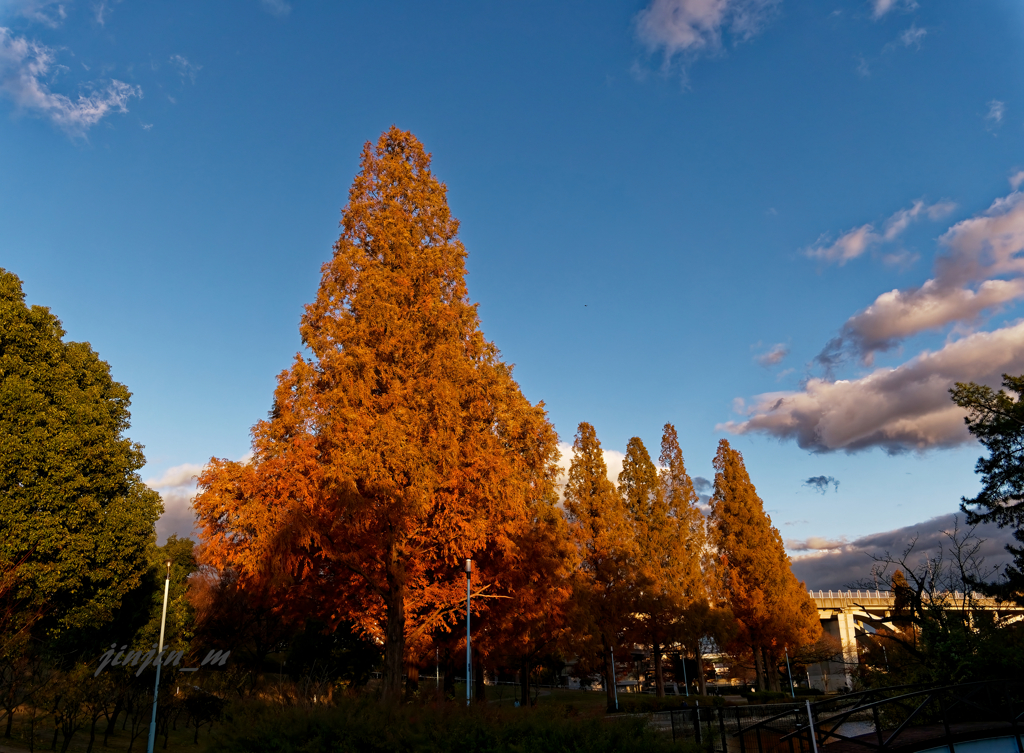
(74, 514)
(997, 420)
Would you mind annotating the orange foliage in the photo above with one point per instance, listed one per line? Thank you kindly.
(606, 584)
(399, 446)
(772, 606)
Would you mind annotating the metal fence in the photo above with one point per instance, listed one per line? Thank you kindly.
(877, 720)
(733, 729)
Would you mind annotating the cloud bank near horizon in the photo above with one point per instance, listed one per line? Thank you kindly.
(177, 487)
(838, 564)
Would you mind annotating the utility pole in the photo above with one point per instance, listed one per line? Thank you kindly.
(469, 650)
(159, 661)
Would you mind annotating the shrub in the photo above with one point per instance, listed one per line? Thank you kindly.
(360, 725)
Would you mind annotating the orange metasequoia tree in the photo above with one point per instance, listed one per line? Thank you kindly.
(398, 445)
(773, 608)
(518, 631)
(606, 582)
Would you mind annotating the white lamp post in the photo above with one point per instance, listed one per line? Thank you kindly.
(159, 661)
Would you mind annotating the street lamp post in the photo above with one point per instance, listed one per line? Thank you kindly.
(792, 691)
(159, 661)
(469, 650)
(615, 680)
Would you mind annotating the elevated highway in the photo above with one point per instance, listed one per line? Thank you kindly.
(848, 614)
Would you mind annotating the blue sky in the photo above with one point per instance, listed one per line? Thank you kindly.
(675, 210)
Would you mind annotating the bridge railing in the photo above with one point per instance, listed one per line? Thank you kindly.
(868, 599)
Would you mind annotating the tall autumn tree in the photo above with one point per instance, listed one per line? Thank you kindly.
(773, 608)
(686, 576)
(660, 510)
(536, 579)
(77, 520)
(400, 445)
(605, 586)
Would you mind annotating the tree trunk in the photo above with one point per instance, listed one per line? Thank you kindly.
(112, 721)
(771, 666)
(92, 734)
(394, 639)
(412, 680)
(758, 667)
(448, 664)
(659, 677)
(702, 680)
(478, 681)
(609, 678)
(524, 684)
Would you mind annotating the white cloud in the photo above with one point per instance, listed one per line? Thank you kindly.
(691, 27)
(881, 7)
(849, 246)
(969, 279)
(50, 13)
(186, 69)
(854, 243)
(24, 68)
(906, 408)
(912, 37)
(774, 355)
(814, 543)
(899, 222)
(179, 475)
(838, 563)
(986, 245)
(102, 9)
(177, 487)
(1016, 179)
(276, 7)
(996, 111)
(899, 314)
(612, 458)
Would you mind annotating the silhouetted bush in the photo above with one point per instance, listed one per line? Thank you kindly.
(357, 725)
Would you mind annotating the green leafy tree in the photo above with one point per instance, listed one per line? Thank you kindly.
(997, 420)
(941, 632)
(73, 509)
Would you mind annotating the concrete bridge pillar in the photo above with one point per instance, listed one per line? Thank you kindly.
(835, 675)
